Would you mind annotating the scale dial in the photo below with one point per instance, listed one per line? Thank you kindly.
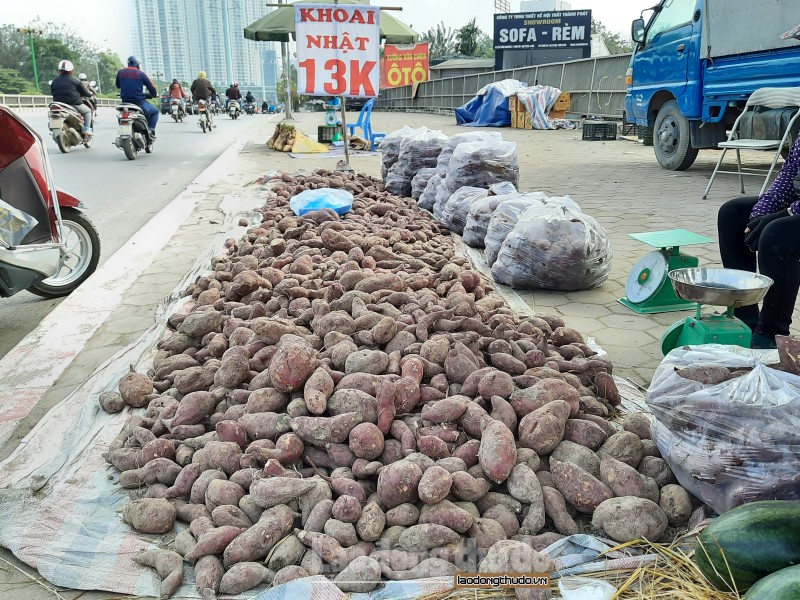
(646, 277)
(330, 118)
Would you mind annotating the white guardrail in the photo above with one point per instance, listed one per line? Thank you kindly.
(42, 101)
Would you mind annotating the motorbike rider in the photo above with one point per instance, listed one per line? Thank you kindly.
(177, 91)
(131, 81)
(85, 83)
(233, 93)
(68, 90)
(250, 99)
(264, 107)
(202, 89)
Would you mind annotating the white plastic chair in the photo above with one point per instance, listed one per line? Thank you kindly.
(767, 98)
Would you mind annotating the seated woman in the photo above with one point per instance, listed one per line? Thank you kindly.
(764, 233)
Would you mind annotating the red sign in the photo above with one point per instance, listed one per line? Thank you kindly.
(337, 49)
(404, 65)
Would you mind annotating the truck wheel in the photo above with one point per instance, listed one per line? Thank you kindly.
(671, 139)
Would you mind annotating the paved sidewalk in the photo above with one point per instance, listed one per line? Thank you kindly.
(618, 182)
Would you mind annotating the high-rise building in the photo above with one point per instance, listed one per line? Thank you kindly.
(179, 38)
(269, 64)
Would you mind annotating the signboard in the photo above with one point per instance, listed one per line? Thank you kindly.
(338, 49)
(404, 65)
(524, 31)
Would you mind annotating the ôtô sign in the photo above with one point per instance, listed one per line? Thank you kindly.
(338, 49)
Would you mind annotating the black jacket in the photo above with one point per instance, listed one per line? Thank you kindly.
(69, 90)
(202, 89)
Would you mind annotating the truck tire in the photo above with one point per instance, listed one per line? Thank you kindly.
(671, 139)
(647, 136)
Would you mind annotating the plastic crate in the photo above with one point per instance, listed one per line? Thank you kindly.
(594, 131)
(326, 133)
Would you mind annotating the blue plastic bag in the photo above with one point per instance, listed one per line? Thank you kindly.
(311, 200)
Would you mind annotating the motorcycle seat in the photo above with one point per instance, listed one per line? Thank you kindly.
(67, 107)
(129, 107)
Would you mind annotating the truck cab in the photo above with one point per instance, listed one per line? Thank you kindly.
(695, 64)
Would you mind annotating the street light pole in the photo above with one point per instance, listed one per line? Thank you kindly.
(97, 71)
(30, 31)
(287, 70)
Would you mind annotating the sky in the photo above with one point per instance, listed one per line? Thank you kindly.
(106, 22)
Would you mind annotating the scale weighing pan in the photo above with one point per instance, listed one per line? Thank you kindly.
(715, 287)
(720, 287)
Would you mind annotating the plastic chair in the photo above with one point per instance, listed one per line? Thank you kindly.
(767, 98)
(365, 123)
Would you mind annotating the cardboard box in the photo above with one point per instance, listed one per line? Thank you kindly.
(513, 104)
(515, 119)
(562, 104)
(558, 114)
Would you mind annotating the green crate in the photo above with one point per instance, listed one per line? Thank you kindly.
(326, 133)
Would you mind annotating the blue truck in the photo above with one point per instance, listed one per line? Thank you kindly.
(696, 62)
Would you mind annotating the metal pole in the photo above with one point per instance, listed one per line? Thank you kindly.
(226, 37)
(97, 70)
(263, 81)
(33, 58)
(287, 70)
(344, 131)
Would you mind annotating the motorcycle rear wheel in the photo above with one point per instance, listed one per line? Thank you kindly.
(127, 147)
(88, 142)
(62, 144)
(203, 125)
(175, 117)
(79, 260)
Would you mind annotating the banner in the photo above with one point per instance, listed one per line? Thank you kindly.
(404, 65)
(522, 31)
(338, 49)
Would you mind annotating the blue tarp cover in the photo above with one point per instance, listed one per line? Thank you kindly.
(489, 108)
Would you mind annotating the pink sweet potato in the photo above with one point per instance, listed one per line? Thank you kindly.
(258, 540)
(193, 408)
(213, 541)
(318, 388)
(150, 515)
(324, 430)
(292, 365)
(498, 452)
(397, 483)
(434, 485)
(584, 492)
(366, 441)
(275, 491)
(208, 572)
(168, 565)
(543, 429)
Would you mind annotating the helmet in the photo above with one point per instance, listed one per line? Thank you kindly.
(236, 84)
(133, 61)
(174, 81)
(82, 76)
(66, 66)
(201, 75)
(93, 83)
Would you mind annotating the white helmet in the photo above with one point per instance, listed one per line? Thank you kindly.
(93, 83)
(82, 76)
(66, 66)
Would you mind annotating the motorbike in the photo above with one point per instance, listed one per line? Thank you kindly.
(176, 110)
(234, 110)
(204, 121)
(66, 127)
(214, 105)
(250, 108)
(47, 245)
(133, 134)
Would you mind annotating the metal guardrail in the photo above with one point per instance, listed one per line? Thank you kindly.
(42, 101)
(596, 87)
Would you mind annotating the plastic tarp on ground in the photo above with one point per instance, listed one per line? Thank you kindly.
(539, 100)
(489, 107)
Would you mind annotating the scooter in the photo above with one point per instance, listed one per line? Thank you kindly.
(66, 127)
(204, 121)
(250, 108)
(176, 110)
(47, 245)
(133, 134)
(234, 110)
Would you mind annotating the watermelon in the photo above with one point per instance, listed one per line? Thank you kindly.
(757, 539)
(781, 585)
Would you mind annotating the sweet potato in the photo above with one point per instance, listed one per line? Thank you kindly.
(433, 447)
(404, 515)
(511, 556)
(289, 573)
(363, 574)
(266, 399)
(275, 491)
(213, 542)
(555, 509)
(223, 455)
(622, 479)
(624, 446)
(168, 565)
(446, 411)
(494, 498)
(258, 540)
(579, 455)
(289, 551)
(468, 488)
(235, 367)
(498, 452)
(430, 567)
(351, 400)
(221, 492)
(230, 515)
(584, 492)
(434, 485)
(135, 389)
(629, 518)
(676, 504)
(150, 515)
(208, 572)
(366, 441)
(344, 533)
(507, 519)
(266, 425)
(486, 532)
(607, 388)
(292, 365)
(584, 433)
(318, 388)
(346, 509)
(325, 430)
(111, 402)
(426, 536)
(242, 577)
(638, 423)
(658, 469)
(329, 549)
(193, 408)
(371, 522)
(496, 383)
(198, 488)
(397, 483)
(468, 452)
(543, 429)
(523, 485)
(158, 470)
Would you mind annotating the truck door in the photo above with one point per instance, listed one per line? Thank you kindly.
(663, 62)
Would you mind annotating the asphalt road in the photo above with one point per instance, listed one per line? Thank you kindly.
(120, 195)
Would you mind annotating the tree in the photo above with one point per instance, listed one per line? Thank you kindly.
(615, 42)
(11, 82)
(485, 46)
(440, 40)
(467, 38)
(297, 99)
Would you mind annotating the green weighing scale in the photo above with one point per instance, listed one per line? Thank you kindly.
(715, 287)
(648, 288)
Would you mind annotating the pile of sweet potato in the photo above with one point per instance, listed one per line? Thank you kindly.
(346, 396)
